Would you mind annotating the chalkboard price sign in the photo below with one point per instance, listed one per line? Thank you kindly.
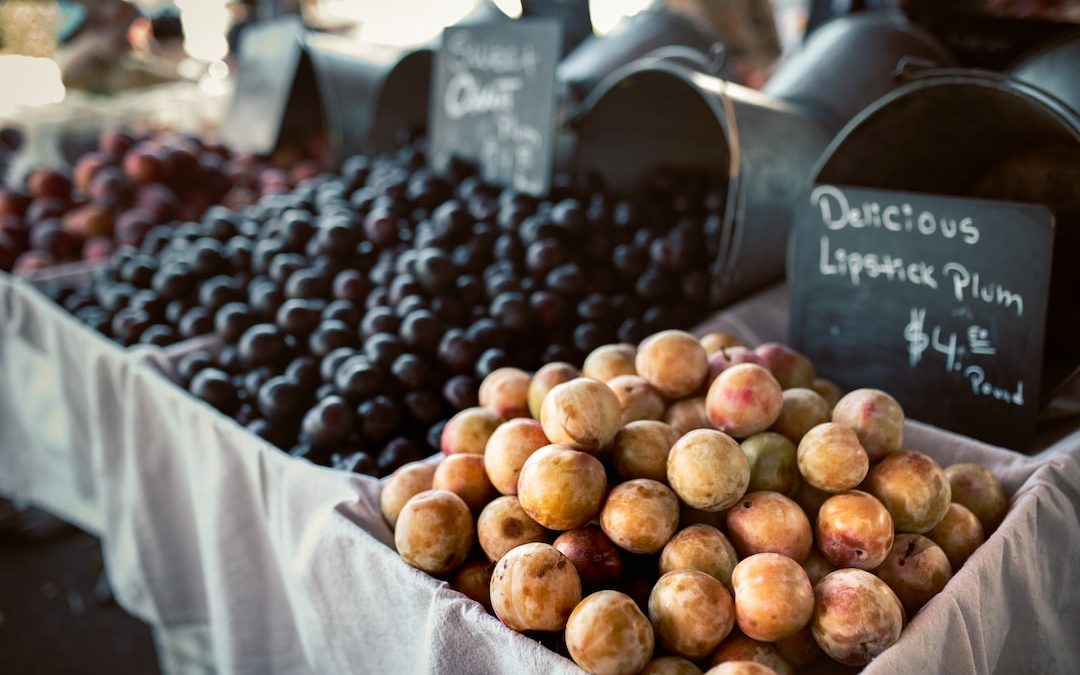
(940, 301)
(493, 100)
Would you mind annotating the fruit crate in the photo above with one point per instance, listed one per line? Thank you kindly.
(969, 628)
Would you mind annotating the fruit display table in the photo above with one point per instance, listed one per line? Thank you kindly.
(291, 566)
(59, 400)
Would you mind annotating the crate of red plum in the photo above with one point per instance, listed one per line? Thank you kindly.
(113, 197)
(690, 504)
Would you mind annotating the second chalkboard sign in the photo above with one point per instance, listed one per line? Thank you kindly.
(938, 300)
(493, 101)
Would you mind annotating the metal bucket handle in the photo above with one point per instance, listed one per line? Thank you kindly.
(710, 64)
(910, 70)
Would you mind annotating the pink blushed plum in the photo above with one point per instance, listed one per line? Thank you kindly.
(790, 368)
(744, 400)
(856, 616)
(876, 417)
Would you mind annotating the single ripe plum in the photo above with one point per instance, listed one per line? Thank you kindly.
(610, 361)
(583, 414)
(640, 450)
(673, 362)
(640, 515)
(741, 649)
(637, 398)
(789, 367)
(974, 487)
(608, 635)
(687, 415)
(561, 488)
(856, 616)
(468, 431)
(802, 410)
(828, 390)
(691, 613)
(769, 522)
(715, 341)
(773, 464)
(831, 458)
(724, 358)
(474, 580)
(464, 475)
(402, 485)
(876, 417)
(799, 649)
(817, 567)
(505, 392)
(773, 596)
(958, 534)
(708, 470)
(744, 400)
(854, 529)
(700, 547)
(544, 380)
(916, 569)
(671, 665)
(534, 587)
(508, 448)
(434, 532)
(741, 668)
(597, 560)
(913, 487)
(504, 525)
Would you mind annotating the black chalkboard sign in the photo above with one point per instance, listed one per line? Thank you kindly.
(493, 101)
(270, 56)
(940, 301)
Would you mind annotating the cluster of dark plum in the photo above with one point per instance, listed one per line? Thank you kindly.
(360, 310)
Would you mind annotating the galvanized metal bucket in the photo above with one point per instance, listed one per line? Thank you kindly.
(978, 134)
(849, 62)
(369, 93)
(599, 56)
(660, 114)
(664, 112)
(1054, 68)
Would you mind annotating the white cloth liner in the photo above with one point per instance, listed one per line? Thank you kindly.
(291, 567)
